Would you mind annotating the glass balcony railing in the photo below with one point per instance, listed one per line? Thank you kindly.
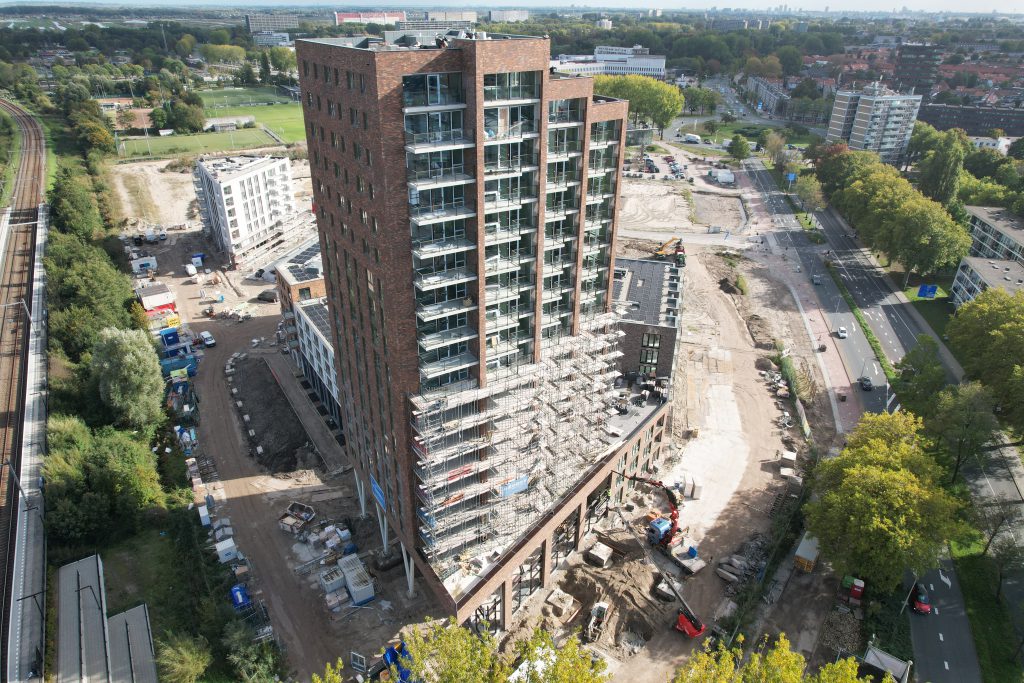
(516, 130)
(565, 117)
(426, 312)
(493, 199)
(510, 165)
(446, 209)
(434, 368)
(602, 138)
(439, 174)
(503, 291)
(443, 245)
(496, 232)
(563, 177)
(563, 148)
(436, 340)
(434, 98)
(427, 279)
(511, 92)
(439, 137)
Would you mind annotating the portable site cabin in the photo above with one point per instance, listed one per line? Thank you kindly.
(806, 553)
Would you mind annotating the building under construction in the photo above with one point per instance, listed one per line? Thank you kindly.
(466, 198)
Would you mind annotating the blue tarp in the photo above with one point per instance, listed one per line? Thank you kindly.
(515, 486)
(397, 657)
(240, 596)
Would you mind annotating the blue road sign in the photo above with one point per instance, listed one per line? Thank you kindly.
(378, 492)
(927, 291)
(791, 177)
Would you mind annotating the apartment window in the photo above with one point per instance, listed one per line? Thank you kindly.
(348, 79)
(352, 117)
(305, 68)
(305, 293)
(362, 83)
(651, 341)
(365, 124)
(520, 85)
(316, 70)
(421, 90)
(335, 76)
(648, 356)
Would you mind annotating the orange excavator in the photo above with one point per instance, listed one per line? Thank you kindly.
(660, 533)
(673, 247)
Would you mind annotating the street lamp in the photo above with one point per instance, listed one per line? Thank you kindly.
(20, 302)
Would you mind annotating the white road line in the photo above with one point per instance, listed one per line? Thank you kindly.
(941, 639)
(947, 665)
(931, 586)
(936, 610)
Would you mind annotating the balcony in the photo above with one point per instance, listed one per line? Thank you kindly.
(593, 246)
(435, 340)
(555, 267)
(502, 320)
(494, 199)
(428, 312)
(563, 149)
(562, 179)
(427, 213)
(566, 118)
(432, 369)
(559, 210)
(457, 137)
(596, 221)
(555, 293)
(514, 132)
(511, 165)
(511, 93)
(447, 175)
(597, 191)
(496, 233)
(500, 292)
(554, 316)
(506, 263)
(602, 140)
(503, 347)
(447, 245)
(555, 238)
(432, 279)
(445, 98)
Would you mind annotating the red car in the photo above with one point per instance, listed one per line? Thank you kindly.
(919, 600)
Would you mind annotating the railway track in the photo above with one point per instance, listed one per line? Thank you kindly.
(17, 258)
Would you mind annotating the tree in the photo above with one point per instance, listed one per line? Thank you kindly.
(1016, 150)
(790, 59)
(245, 75)
(775, 663)
(963, 421)
(991, 519)
(775, 147)
(158, 118)
(710, 127)
(252, 661)
(878, 508)
(996, 133)
(185, 45)
(927, 239)
(921, 377)
(940, 168)
(987, 332)
(808, 189)
(443, 652)
(332, 673)
(73, 210)
(838, 166)
(923, 139)
(125, 118)
(264, 68)
(127, 372)
(186, 118)
(984, 162)
(1007, 555)
(806, 88)
(739, 148)
(182, 658)
(567, 663)
(282, 59)
(649, 99)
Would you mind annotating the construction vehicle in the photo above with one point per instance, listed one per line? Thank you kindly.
(674, 247)
(661, 533)
(595, 625)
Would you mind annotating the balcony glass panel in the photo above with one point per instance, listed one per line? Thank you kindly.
(565, 111)
(509, 122)
(520, 85)
(441, 165)
(436, 127)
(426, 90)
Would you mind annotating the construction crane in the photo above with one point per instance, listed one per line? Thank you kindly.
(660, 533)
(687, 622)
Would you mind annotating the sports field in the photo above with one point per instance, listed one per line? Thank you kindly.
(284, 119)
(247, 138)
(233, 97)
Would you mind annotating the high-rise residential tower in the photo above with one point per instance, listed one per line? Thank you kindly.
(467, 198)
(874, 119)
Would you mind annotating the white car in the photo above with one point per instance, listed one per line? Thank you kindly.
(208, 340)
(841, 333)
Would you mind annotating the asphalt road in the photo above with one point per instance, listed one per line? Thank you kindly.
(943, 647)
(857, 354)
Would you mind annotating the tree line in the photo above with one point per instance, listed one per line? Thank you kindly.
(650, 100)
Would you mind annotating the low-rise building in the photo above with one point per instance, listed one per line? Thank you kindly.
(272, 21)
(975, 275)
(315, 353)
(271, 38)
(1000, 144)
(649, 293)
(245, 202)
(974, 120)
(613, 61)
(769, 94)
(388, 17)
(508, 16)
(300, 275)
(996, 233)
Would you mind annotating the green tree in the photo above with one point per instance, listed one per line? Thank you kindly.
(775, 147)
(182, 658)
(186, 118)
(774, 663)
(73, 210)
(282, 59)
(878, 508)
(566, 663)
(984, 163)
(125, 118)
(839, 166)
(791, 60)
(808, 189)
(940, 168)
(924, 138)
(185, 45)
(806, 88)
(245, 75)
(158, 118)
(139, 319)
(1016, 150)
(710, 127)
(264, 68)
(253, 662)
(739, 148)
(443, 652)
(988, 331)
(996, 133)
(127, 373)
(963, 421)
(649, 99)
(921, 377)
(927, 238)
(332, 673)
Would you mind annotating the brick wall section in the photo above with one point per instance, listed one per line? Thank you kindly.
(631, 344)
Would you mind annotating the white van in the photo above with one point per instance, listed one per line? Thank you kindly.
(208, 340)
(691, 137)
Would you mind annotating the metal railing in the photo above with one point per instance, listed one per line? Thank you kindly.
(516, 130)
(602, 138)
(423, 209)
(450, 172)
(438, 136)
(510, 165)
(511, 92)
(563, 178)
(567, 147)
(565, 117)
(436, 99)
(492, 198)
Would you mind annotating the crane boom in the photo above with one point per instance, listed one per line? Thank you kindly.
(673, 504)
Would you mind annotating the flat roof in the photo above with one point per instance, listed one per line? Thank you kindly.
(303, 264)
(645, 286)
(226, 168)
(131, 647)
(399, 42)
(998, 273)
(82, 623)
(318, 315)
(999, 218)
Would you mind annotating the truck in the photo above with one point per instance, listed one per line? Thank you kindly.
(692, 137)
(296, 517)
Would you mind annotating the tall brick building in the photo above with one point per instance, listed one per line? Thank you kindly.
(467, 203)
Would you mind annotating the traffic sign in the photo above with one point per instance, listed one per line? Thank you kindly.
(791, 177)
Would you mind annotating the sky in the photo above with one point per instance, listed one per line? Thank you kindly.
(956, 6)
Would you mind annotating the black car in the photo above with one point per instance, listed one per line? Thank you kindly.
(865, 383)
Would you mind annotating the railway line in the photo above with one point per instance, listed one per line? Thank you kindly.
(18, 262)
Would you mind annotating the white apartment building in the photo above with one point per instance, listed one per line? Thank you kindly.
(875, 119)
(1000, 144)
(244, 202)
(508, 15)
(613, 61)
(316, 353)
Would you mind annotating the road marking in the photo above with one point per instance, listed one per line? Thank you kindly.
(936, 610)
(947, 665)
(931, 586)
(941, 638)
(945, 579)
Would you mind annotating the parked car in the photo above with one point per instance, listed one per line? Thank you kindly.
(919, 599)
(842, 333)
(865, 383)
(208, 340)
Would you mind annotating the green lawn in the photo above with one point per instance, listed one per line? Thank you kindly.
(232, 97)
(728, 130)
(172, 145)
(284, 119)
(938, 311)
(991, 624)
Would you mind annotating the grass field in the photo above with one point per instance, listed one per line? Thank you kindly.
(284, 119)
(233, 97)
(171, 145)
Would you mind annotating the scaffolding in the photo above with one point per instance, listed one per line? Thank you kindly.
(490, 461)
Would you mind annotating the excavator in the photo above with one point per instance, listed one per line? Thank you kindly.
(673, 247)
(660, 533)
